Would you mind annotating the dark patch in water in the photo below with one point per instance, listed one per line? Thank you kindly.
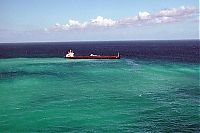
(192, 92)
(41, 73)
(46, 99)
(24, 73)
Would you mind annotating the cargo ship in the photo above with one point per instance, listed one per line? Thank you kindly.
(70, 55)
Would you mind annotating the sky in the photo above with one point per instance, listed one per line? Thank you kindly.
(98, 20)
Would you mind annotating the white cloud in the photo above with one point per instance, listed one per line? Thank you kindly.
(181, 11)
(76, 24)
(100, 21)
(143, 18)
(164, 16)
(57, 25)
(72, 24)
(163, 20)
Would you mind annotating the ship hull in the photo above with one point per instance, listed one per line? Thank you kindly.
(94, 57)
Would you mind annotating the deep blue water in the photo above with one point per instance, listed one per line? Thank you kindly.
(180, 50)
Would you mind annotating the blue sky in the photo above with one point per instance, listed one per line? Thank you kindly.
(98, 20)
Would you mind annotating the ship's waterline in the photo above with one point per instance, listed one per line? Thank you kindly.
(71, 55)
(126, 95)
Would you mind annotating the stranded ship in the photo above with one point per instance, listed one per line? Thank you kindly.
(71, 55)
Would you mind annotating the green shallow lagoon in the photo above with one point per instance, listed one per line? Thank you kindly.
(126, 95)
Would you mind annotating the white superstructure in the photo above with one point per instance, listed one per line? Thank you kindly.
(70, 54)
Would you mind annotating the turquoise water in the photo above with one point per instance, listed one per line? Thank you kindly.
(126, 95)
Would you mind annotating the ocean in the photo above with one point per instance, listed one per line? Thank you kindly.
(153, 88)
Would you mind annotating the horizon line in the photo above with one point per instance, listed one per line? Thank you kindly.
(100, 41)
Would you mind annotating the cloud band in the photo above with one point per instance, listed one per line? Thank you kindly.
(143, 18)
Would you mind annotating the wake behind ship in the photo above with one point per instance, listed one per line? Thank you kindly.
(71, 55)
